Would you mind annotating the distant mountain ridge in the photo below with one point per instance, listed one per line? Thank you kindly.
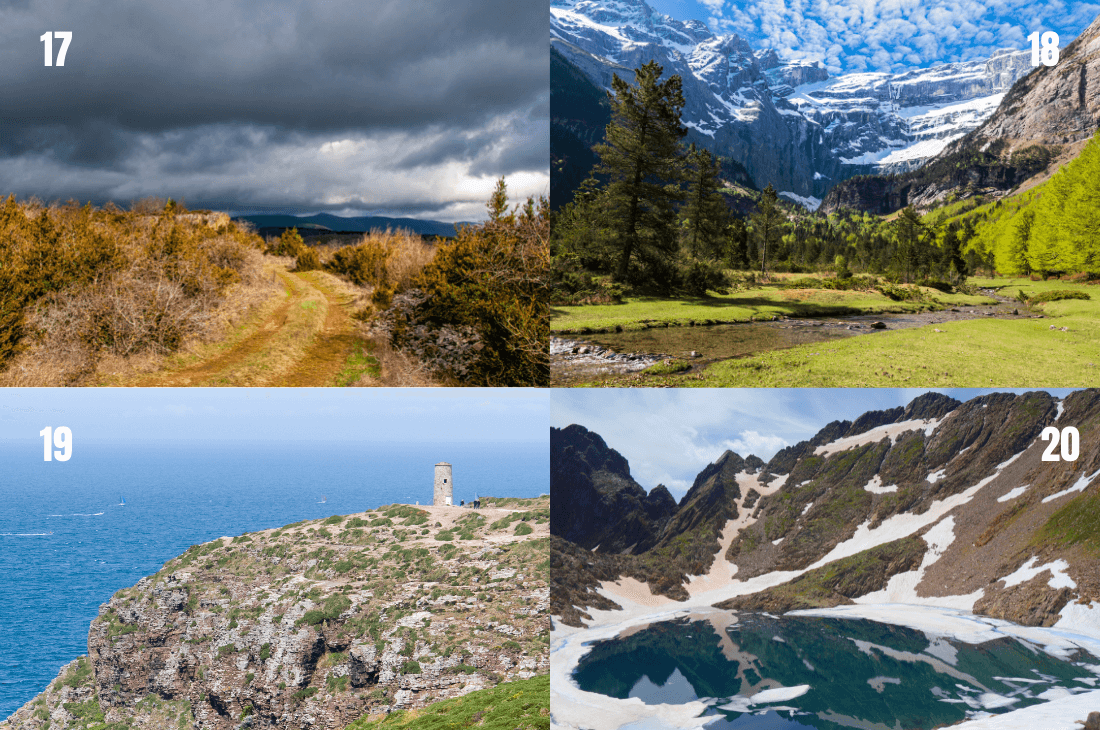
(360, 224)
(788, 123)
(953, 498)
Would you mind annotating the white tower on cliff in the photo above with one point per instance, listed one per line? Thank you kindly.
(443, 494)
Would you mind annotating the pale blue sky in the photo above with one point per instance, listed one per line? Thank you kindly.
(669, 435)
(278, 414)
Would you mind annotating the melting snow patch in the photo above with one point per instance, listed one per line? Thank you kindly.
(890, 430)
(936, 476)
(1027, 571)
(1078, 487)
(779, 694)
(875, 486)
(1011, 459)
(1013, 493)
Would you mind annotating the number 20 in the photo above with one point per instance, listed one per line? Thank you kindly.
(1070, 440)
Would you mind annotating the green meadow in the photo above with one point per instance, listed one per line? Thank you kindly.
(970, 353)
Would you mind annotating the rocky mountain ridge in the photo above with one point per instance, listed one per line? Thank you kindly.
(1044, 120)
(788, 123)
(942, 502)
(316, 624)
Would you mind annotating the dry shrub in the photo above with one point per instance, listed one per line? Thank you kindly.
(386, 260)
(89, 283)
(308, 260)
(479, 311)
(289, 244)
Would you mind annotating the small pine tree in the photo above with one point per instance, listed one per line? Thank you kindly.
(705, 212)
(767, 223)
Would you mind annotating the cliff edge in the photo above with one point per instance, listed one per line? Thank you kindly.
(317, 624)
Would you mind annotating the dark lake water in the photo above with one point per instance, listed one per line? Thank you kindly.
(829, 673)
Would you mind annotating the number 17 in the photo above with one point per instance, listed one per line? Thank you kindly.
(47, 40)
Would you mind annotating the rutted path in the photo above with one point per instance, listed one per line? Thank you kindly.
(304, 341)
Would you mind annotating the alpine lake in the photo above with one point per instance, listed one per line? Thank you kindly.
(782, 673)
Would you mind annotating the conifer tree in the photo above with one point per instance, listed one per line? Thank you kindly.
(705, 211)
(737, 244)
(641, 157)
(767, 222)
(908, 229)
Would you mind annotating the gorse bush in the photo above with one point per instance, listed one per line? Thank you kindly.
(383, 259)
(308, 260)
(479, 311)
(289, 244)
(91, 281)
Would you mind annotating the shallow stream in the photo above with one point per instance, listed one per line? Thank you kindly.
(604, 354)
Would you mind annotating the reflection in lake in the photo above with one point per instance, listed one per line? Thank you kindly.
(829, 673)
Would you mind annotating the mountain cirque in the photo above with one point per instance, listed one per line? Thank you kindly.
(788, 123)
(941, 503)
(317, 624)
(1046, 117)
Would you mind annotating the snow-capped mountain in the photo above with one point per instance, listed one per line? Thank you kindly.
(787, 122)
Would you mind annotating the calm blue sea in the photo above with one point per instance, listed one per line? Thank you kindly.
(66, 544)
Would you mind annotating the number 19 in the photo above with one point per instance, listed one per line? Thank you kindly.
(62, 439)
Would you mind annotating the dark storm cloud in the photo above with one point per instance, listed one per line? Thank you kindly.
(159, 90)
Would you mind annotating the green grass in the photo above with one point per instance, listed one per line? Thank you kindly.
(971, 353)
(743, 306)
(358, 364)
(1076, 523)
(523, 705)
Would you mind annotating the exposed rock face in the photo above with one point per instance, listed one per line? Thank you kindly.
(839, 583)
(600, 504)
(1046, 109)
(1031, 603)
(318, 623)
(788, 123)
(972, 472)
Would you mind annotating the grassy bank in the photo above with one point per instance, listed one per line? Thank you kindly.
(971, 353)
(763, 303)
(522, 705)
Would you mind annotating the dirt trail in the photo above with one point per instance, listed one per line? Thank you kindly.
(331, 346)
(305, 341)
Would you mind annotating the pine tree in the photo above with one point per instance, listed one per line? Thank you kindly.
(641, 157)
(1021, 240)
(737, 244)
(908, 230)
(767, 222)
(706, 211)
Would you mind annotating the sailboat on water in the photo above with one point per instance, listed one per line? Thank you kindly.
(123, 502)
(323, 499)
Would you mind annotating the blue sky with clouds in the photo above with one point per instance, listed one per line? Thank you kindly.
(410, 415)
(669, 435)
(880, 35)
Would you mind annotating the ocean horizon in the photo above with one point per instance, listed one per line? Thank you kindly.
(67, 542)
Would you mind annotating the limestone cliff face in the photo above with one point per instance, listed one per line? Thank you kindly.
(1045, 118)
(319, 623)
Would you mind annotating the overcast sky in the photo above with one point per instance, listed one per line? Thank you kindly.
(409, 415)
(884, 35)
(669, 435)
(388, 107)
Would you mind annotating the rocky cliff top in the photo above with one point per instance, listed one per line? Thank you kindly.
(317, 624)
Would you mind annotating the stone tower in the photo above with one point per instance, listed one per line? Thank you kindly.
(443, 494)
